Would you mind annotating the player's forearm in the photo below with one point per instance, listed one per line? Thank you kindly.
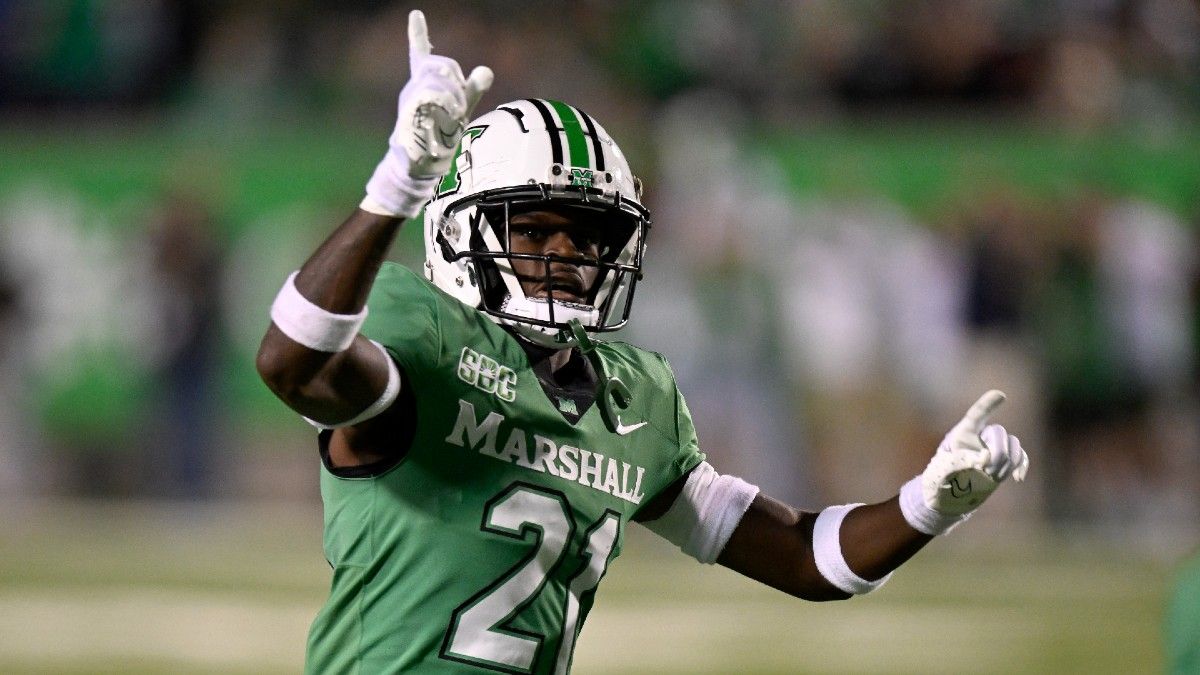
(338, 276)
(337, 279)
(876, 539)
(773, 544)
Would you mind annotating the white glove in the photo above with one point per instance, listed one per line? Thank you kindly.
(433, 109)
(971, 462)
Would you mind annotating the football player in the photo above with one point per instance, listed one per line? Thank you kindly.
(483, 453)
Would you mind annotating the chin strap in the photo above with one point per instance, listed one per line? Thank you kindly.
(613, 396)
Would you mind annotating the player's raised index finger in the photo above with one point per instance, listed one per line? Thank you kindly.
(979, 413)
(418, 36)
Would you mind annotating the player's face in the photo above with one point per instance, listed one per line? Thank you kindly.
(557, 234)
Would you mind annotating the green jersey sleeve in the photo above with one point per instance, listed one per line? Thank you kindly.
(688, 455)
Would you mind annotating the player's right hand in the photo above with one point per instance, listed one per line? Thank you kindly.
(435, 105)
(972, 460)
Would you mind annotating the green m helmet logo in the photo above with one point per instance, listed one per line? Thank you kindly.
(585, 177)
(452, 179)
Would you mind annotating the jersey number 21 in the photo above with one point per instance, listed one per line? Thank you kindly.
(476, 633)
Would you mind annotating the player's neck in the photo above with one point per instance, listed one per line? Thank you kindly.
(559, 358)
(555, 358)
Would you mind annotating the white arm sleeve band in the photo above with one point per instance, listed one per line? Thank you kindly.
(705, 513)
(918, 514)
(312, 326)
(390, 392)
(827, 551)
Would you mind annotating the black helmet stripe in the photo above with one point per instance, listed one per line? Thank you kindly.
(591, 129)
(556, 150)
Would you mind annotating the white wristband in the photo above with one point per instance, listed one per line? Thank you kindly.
(827, 552)
(392, 192)
(385, 400)
(918, 514)
(371, 206)
(313, 326)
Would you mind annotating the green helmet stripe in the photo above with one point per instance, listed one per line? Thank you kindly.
(577, 145)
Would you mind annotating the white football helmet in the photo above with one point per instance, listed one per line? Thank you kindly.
(529, 155)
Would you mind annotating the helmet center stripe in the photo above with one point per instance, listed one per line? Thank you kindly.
(576, 142)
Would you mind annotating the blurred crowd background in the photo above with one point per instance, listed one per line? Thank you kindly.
(865, 215)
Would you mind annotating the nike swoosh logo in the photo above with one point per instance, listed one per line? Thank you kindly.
(448, 139)
(624, 429)
(957, 490)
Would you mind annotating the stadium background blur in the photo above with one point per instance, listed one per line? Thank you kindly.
(864, 215)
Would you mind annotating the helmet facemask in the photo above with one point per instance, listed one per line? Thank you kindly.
(619, 225)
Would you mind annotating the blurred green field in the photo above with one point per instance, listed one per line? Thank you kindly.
(101, 588)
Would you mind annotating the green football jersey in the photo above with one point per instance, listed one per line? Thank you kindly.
(482, 549)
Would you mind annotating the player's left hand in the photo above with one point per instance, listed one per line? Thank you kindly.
(972, 460)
